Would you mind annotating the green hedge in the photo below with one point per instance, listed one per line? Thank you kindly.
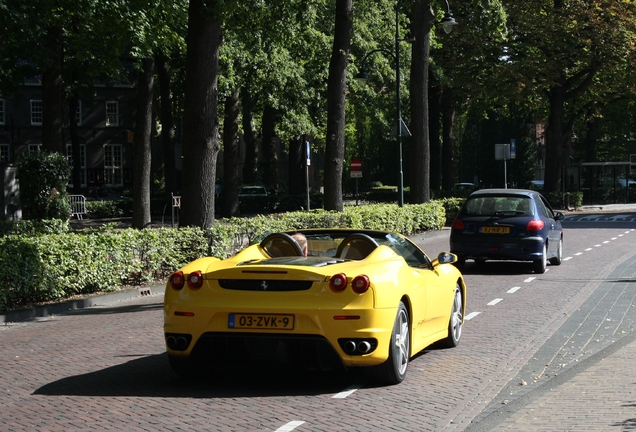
(44, 261)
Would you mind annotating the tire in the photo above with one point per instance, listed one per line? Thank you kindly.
(460, 264)
(540, 264)
(559, 254)
(455, 322)
(182, 366)
(393, 370)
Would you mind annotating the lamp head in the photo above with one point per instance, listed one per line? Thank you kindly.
(362, 75)
(448, 22)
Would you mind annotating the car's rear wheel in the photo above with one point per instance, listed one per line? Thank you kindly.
(393, 370)
(182, 366)
(455, 323)
(559, 254)
(540, 264)
(460, 264)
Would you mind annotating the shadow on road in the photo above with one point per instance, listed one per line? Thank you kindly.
(151, 376)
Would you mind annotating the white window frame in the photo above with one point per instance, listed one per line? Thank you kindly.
(3, 112)
(36, 112)
(112, 113)
(35, 148)
(78, 113)
(113, 165)
(5, 153)
(69, 156)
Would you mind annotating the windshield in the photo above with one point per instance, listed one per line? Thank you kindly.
(499, 206)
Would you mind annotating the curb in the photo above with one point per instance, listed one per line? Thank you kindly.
(72, 305)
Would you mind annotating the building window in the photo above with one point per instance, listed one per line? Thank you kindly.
(112, 113)
(34, 148)
(4, 153)
(69, 156)
(2, 113)
(113, 169)
(78, 113)
(36, 113)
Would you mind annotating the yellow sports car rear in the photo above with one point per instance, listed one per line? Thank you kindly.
(314, 299)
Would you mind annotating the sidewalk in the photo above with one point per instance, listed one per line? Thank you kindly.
(51, 309)
(598, 394)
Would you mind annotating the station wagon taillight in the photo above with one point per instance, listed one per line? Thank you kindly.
(458, 224)
(338, 282)
(535, 225)
(177, 281)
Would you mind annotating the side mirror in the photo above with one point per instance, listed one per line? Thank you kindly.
(446, 258)
(559, 216)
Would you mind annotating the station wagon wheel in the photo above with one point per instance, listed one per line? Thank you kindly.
(559, 254)
(455, 322)
(540, 264)
(393, 370)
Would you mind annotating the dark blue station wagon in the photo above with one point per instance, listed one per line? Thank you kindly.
(508, 224)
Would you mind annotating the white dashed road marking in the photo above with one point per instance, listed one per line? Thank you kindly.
(290, 426)
(471, 316)
(495, 301)
(513, 290)
(530, 279)
(343, 394)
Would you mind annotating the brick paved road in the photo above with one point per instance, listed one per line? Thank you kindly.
(105, 368)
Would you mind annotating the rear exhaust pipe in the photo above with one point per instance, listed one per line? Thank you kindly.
(349, 347)
(364, 347)
(182, 342)
(171, 341)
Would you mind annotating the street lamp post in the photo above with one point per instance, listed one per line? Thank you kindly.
(448, 22)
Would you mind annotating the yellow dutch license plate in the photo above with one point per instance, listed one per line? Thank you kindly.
(261, 321)
(495, 230)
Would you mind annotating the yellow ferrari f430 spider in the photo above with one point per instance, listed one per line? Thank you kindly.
(315, 298)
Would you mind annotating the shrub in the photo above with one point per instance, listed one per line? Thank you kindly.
(43, 177)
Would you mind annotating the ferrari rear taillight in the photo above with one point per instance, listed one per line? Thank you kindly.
(195, 279)
(535, 225)
(458, 224)
(338, 282)
(177, 281)
(360, 284)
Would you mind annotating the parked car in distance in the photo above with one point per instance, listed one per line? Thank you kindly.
(508, 224)
(535, 185)
(253, 191)
(347, 299)
(623, 182)
(105, 194)
(465, 187)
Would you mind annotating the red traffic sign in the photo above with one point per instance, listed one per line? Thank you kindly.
(356, 164)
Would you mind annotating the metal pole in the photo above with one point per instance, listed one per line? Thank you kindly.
(399, 107)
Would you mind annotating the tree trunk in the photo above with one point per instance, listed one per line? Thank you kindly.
(231, 155)
(53, 94)
(554, 141)
(336, 98)
(448, 117)
(167, 126)
(434, 137)
(420, 145)
(76, 155)
(250, 167)
(297, 157)
(201, 126)
(270, 155)
(141, 147)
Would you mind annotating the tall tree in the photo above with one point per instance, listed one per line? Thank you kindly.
(141, 146)
(420, 157)
(201, 141)
(336, 96)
